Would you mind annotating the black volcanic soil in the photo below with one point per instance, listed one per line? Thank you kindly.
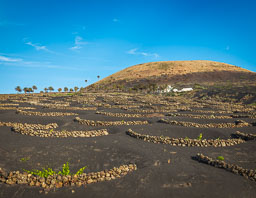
(155, 177)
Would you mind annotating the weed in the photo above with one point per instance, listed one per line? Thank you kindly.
(80, 171)
(200, 136)
(51, 130)
(220, 158)
(43, 173)
(65, 169)
(186, 138)
(24, 159)
(47, 172)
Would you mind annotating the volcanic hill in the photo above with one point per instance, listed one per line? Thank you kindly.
(177, 73)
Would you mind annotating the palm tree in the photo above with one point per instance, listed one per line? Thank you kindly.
(45, 89)
(71, 90)
(65, 89)
(25, 89)
(18, 89)
(34, 88)
(59, 90)
(98, 84)
(50, 88)
(76, 88)
(84, 87)
(30, 90)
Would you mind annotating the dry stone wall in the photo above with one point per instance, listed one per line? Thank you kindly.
(237, 124)
(108, 123)
(58, 181)
(32, 113)
(185, 141)
(249, 174)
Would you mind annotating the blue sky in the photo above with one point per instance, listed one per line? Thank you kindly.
(64, 42)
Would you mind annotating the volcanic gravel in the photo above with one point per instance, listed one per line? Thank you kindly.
(115, 134)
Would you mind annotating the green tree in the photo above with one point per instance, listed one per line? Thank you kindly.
(30, 90)
(59, 90)
(65, 89)
(50, 88)
(25, 89)
(76, 88)
(34, 88)
(71, 90)
(98, 83)
(84, 87)
(18, 89)
(45, 89)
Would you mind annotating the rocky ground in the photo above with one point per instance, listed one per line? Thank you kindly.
(130, 145)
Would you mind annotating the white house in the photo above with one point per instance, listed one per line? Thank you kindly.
(169, 88)
(186, 89)
(166, 90)
(183, 90)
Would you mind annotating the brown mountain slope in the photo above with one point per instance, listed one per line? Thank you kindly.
(177, 72)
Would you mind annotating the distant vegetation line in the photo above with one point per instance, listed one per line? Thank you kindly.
(50, 88)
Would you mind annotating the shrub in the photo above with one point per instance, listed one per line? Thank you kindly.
(47, 172)
(200, 136)
(220, 158)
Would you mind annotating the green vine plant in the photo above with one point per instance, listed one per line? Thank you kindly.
(48, 172)
(65, 170)
(80, 171)
(221, 158)
(24, 159)
(200, 136)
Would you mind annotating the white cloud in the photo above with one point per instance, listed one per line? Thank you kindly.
(136, 52)
(37, 64)
(144, 53)
(36, 46)
(76, 47)
(155, 55)
(132, 51)
(78, 43)
(18, 62)
(39, 47)
(7, 59)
